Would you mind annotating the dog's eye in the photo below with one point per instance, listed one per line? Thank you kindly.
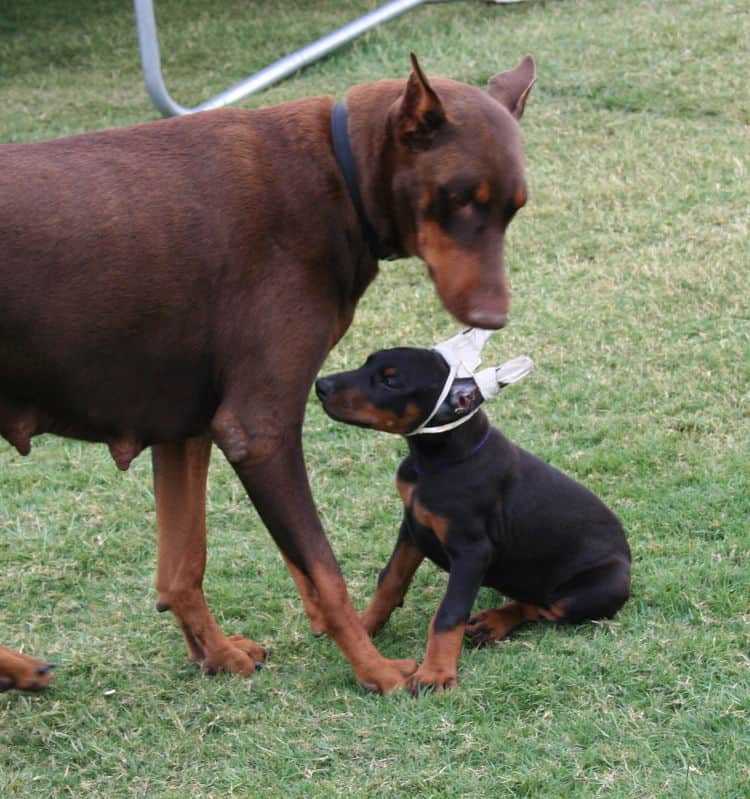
(460, 199)
(390, 379)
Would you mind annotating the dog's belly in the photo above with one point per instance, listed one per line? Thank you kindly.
(108, 284)
(126, 405)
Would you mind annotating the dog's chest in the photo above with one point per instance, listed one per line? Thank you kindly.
(429, 526)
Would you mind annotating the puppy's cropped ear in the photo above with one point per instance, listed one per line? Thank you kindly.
(421, 113)
(512, 88)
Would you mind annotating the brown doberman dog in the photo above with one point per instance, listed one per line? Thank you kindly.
(180, 282)
(480, 507)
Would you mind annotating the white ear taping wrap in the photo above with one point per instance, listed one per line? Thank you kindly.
(491, 380)
(464, 350)
(463, 354)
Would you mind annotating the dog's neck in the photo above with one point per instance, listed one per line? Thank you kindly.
(438, 451)
(342, 148)
(372, 142)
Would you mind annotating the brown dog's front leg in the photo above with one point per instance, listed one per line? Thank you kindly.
(180, 473)
(269, 462)
(310, 598)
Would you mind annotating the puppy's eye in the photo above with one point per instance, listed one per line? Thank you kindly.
(390, 379)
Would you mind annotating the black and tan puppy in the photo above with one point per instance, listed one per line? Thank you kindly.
(481, 508)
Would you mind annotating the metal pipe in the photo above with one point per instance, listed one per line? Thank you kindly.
(151, 60)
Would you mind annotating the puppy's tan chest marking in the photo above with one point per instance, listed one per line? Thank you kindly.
(433, 521)
(406, 491)
(422, 515)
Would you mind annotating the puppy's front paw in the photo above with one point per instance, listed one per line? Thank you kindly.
(426, 679)
(390, 676)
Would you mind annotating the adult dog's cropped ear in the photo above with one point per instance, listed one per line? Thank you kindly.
(512, 88)
(421, 113)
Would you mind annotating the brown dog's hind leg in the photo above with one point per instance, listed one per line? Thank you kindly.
(23, 672)
(180, 473)
(498, 623)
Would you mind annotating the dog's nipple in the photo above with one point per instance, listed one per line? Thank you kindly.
(124, 451)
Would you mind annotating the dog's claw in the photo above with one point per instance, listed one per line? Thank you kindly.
(238, 655)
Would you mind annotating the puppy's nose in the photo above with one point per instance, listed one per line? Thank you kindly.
(323, 387)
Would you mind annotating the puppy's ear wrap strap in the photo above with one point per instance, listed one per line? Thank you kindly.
(422, 428)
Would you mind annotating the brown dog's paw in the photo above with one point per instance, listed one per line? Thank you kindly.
(318, 628)
(391, 676)
(23, 672)
(316, 621)
(239, 655)
(427, 680)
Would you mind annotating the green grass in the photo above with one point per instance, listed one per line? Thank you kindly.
(631, 278)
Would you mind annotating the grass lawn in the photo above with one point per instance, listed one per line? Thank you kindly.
(631, 277)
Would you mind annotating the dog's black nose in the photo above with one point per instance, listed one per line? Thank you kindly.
(323, 387)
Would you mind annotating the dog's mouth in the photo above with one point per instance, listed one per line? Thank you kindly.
(483, 309)
(341, 412)
(345, 405)
(351, 406)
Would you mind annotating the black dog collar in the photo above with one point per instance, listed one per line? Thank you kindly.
(345, 158)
